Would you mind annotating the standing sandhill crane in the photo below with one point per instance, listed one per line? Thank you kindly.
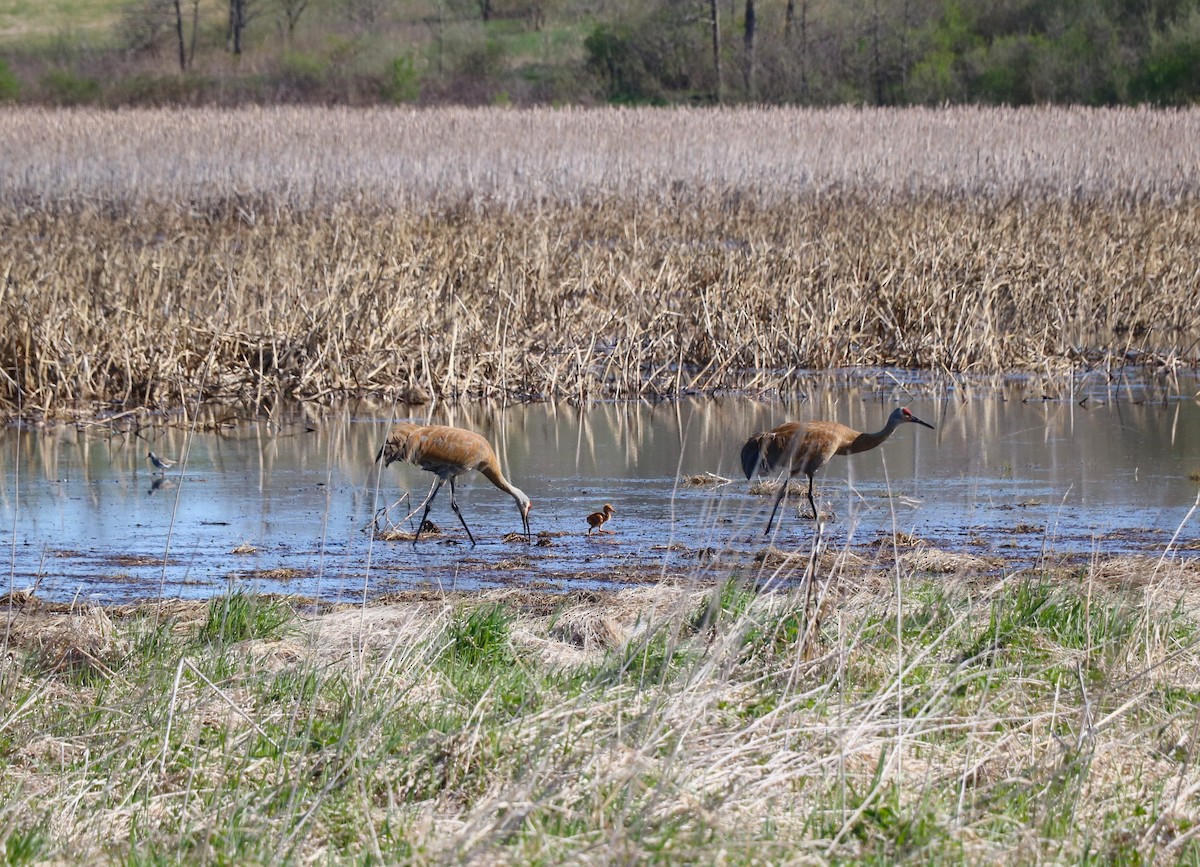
(596, 520)
(448, 452)
(804, 447)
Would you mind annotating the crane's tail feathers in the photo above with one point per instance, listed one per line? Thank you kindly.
(752, 454)
(389, 453)
(399, 445)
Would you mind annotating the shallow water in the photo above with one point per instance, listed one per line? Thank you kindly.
(1006, 473)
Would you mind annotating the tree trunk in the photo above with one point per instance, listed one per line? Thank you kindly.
(716, 47)
(292, 10)
(237, 23)
(876, 60)
(804, 96)
(789, 14)
(179, 35)
(195, 30)
(748, 46)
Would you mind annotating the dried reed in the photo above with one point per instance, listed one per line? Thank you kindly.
(567, 270)
(284, 160)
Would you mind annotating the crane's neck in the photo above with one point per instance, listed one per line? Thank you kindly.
(493, 475)
(864, 442)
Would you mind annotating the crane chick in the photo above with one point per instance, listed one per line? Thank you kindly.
(805, 446)
(448, 452)
(596, 520)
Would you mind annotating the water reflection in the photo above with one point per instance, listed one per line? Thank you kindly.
(85, 513)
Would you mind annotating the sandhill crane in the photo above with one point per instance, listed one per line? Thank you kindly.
(596, 519)
(448, 452)
(804, 446)
(162, 464)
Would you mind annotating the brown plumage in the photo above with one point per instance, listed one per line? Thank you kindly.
(804, 447)
(596, 519)
(448, 452)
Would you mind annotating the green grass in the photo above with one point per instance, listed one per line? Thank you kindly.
(23, 21)
(1032, 709)
(240, 616)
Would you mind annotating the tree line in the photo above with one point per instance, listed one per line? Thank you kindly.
(901, 52)
(799, 52)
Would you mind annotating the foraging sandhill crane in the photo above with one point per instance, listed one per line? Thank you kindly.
(448, 452)
(161, 463)
(596, 519)
(804, 446)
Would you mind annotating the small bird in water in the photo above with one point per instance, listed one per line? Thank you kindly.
(448, 452)
(162, 464)
(804, 447)
(596, 520)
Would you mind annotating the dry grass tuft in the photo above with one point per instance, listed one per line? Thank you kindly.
(858, 720)
(84, 640)
(395, 534)
(828, 562)
(925, 559)
(1132, 571)
(770, 487)
(18, 599)
(588, 628)
(900, 539)
(282, 573)
(389, 532)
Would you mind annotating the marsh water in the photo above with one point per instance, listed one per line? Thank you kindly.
(1016, 468)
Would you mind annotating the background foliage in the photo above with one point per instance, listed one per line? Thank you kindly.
(806, 52)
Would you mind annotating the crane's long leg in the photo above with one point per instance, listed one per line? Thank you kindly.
(429, 504)
(811, 501)
(454, 506)
(778, 499)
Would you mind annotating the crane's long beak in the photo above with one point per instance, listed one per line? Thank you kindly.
(918, 421)
(525, 521)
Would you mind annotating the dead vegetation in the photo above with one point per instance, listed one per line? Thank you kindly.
(706, 480)
(158, 294)
(274, 161)
(834, 715)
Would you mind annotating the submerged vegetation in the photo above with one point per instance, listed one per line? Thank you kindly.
(875, 714)
(615, 260)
